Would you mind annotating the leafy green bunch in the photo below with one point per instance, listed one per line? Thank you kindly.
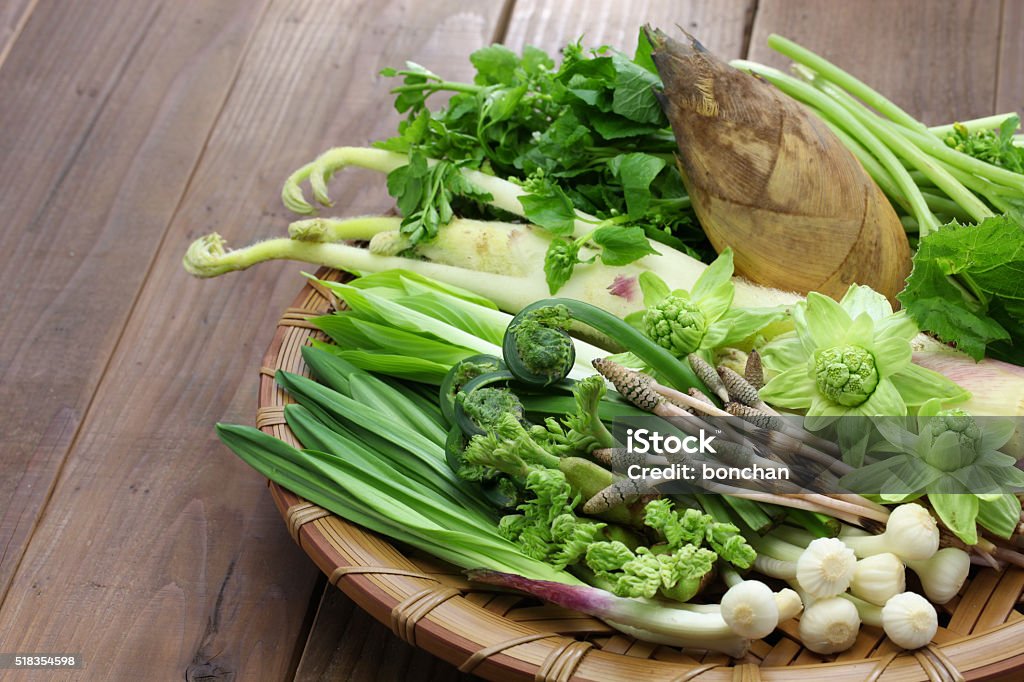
(546, 527)
(585, 136)
(967, 286)
(687, 546)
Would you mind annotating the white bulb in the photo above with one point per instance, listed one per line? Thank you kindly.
(825, 568)
(829, 625)
(878, 578)
(750, 610)
(909, 620)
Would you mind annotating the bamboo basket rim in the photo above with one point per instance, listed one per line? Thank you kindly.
(432, 606)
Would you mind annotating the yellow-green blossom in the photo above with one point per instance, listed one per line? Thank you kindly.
(851, 357)
(701, 319)
(952, 458)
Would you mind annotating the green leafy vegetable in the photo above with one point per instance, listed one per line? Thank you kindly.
(587, 136)
(677, 565)
(547, 529)
(403, 324)
(619, 246)
(984, 306)
(424, 194)
(952, 458)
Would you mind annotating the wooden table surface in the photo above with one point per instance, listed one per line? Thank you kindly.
(128, 128)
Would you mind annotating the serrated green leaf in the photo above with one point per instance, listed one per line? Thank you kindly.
(495, 64)
(988, 260)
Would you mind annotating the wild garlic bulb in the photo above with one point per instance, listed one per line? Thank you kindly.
(909, 620)
(829, 625)
(879, 577)
(789, 604)
(749, 609)
(911, 534)
(825, 568)
(944, 574)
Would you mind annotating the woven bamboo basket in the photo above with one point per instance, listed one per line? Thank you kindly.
(500, 636)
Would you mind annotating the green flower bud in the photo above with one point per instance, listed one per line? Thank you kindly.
(846, 375)
(950, 452)
(956, 420)
(676, 324)
(967, 439)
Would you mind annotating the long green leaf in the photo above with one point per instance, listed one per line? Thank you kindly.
(346, 378)
(380, 309)
(373, 393)
(400, 366)
(313, 475)
(327, 367)
(369, 490)
(342, 330)
(483, 322)
(408, 282)
(279, 462)
(424, 395)
(607, 410)
(422, 495)
(347, 411)
(316, 430)
(402, 342)
(332, 369)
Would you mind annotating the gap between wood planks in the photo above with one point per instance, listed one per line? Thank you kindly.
(748, 27)
(504, 20)
(999, 55)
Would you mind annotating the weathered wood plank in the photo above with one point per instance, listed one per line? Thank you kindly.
(720, 25)
(156, 539)
(1010, 88)
(105, 110)
(14, 14)
(935, 59)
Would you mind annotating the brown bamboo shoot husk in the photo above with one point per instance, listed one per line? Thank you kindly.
(769, 179)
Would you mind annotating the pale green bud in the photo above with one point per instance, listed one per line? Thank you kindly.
(676, 324)
(846, 374)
